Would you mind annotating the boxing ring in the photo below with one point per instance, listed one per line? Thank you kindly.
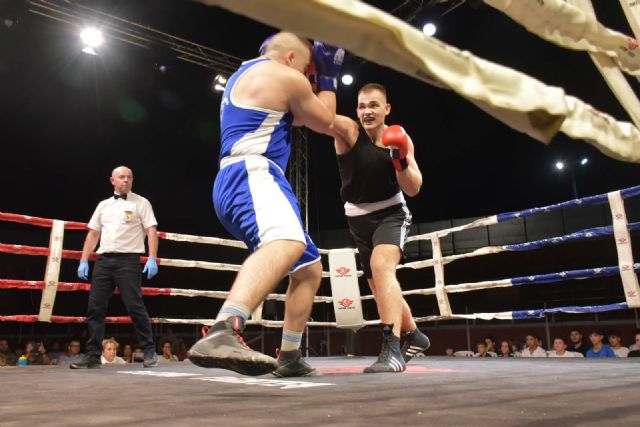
(346, 298)
(434, 390)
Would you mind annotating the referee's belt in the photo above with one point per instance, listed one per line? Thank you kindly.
(120, 254)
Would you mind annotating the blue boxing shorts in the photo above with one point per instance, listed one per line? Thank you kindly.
(255, 203)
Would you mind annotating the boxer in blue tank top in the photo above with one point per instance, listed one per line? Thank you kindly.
(255, 203)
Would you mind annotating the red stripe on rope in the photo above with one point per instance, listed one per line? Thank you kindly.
(70, 287)
(30, 318)
(47, 222)
(41, 222)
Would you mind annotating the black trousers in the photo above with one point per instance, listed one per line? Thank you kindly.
(123, 271)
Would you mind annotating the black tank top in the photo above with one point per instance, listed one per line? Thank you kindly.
(366, 172)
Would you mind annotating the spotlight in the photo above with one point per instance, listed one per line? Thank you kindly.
(91, 37)
(584, 161)
(347, 79)
(429, 29)
(221, 79)
(559, 165)
(219, 83)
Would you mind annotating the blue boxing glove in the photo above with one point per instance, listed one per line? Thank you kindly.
(83, 270)
(328, 62)
(151, 268)
(265, 44)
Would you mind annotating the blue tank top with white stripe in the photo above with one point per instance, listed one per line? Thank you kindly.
(248, 130)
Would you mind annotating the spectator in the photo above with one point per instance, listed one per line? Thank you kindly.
(516, 348)
(635, 346)
(167, 353)
(599, 349)
(138, 354)
(578, 342)
(182, 354)
(72, 354)
(505, 349)
(481, 350)
(635, 353)
(615, 341)
(109, 353)
(490, 344)
(36, 354)
(9, 357)
(127, 353)
(532, 349)
(55, 350)
(449, 352)
(560, 349)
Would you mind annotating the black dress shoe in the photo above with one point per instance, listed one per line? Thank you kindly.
(87, 363)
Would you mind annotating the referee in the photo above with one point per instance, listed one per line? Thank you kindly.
(120, 223)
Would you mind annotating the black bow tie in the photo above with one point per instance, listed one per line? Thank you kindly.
(120, 196)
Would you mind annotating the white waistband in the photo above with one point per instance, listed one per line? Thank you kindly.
(357, 209)
(229, 160)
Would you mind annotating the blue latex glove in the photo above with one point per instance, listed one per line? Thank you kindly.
(83, 270)
(151, 268)
(328, 61)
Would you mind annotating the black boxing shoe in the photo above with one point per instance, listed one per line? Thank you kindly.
(291, 364)
(87, 362)
(224, 348)
(415, 342)
(390, 358)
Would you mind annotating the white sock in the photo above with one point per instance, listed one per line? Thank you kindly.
(230, 309)
(291, 340)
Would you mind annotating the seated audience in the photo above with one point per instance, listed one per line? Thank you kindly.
(599, 349)
(127, 353)
(505, 349)
(167, 354)
(490, 344)
(55, 350)
(636, 345)
(481, 350)
(577, 343)
(182, 353)
(72, 354)
(109, 353)
(138, 354)
(449, 351)
(8, 357)
(36, 354)
(615, 342)
(635, 353)
(532, 349)
(560, 349)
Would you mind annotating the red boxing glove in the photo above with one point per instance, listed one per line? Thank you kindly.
(397, 140)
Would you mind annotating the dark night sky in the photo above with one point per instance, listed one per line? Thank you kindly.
(67, 118)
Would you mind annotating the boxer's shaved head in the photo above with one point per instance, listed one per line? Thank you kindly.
(290, 49)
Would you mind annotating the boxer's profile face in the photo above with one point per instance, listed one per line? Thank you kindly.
(372, 108)
(122, 179)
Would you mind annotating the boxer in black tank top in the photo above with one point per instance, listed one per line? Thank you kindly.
(377, 166)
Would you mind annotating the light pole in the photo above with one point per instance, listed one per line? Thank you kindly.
(571, 166)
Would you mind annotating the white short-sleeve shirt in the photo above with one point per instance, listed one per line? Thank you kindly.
(621, 352)
(565, 354)
(538, 352)
(122, 223)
